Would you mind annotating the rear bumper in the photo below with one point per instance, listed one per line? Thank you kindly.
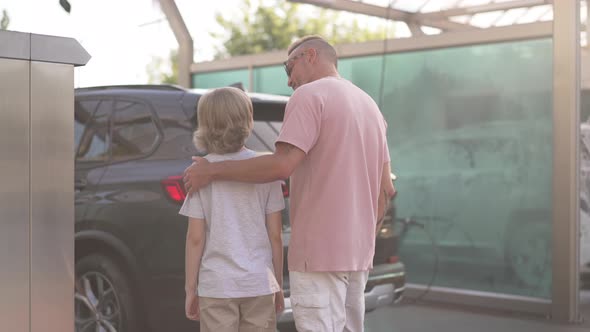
(386, 285)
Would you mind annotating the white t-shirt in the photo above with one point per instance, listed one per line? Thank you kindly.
(237, 258)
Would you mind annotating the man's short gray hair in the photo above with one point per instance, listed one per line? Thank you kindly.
(318, 43)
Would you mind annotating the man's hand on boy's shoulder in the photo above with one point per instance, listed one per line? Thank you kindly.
(195, 176)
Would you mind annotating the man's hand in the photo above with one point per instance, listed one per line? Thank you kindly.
(191, 306)
(196, 176)
(386, 193)
(391, 192)
(279, 302)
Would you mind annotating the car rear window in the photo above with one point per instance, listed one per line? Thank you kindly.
(263, 137)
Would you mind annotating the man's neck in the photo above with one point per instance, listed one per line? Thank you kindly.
(326, 73)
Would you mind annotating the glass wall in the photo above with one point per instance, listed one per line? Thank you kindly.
(470, 136)
(271, 79)
(470, 133)
(221, 78)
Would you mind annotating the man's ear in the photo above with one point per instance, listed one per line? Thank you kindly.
(313, 55)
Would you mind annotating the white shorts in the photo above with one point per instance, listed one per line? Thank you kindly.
(328, 301)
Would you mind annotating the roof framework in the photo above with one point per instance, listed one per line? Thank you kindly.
(440, 16)
(456, 22)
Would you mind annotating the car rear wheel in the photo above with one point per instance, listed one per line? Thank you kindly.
(102, 297)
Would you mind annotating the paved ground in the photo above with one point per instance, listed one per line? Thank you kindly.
(437, 318)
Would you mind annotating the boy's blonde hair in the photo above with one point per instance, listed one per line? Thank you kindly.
(224, 119)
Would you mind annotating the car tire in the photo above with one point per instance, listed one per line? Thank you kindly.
(527, 252)
(103, 297)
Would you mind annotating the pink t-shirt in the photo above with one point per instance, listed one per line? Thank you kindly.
(334, 190)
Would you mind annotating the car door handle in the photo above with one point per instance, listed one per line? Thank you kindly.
(80, 184)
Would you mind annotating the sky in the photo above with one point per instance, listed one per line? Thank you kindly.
(122, 36)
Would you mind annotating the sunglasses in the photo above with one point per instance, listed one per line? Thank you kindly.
(286, 63)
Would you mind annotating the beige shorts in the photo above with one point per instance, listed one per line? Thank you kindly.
(328, 301)
(245, 314)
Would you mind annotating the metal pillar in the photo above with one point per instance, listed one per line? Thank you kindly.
(566, 213)
(37, 192)
(185, 42)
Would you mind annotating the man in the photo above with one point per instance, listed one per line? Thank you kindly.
(333, 146)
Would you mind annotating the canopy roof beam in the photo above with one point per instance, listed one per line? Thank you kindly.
(184, 39)
(386, 13)
(439, 19)
(472, 10)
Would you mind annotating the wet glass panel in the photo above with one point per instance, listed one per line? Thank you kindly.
(364, 72)
(272, 79)
(470, 133)
(221, 78)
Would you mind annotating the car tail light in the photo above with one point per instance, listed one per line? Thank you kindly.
(174, 188)
(285, 186)
(393, 259)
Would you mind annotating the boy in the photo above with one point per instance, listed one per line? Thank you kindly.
(234, 249)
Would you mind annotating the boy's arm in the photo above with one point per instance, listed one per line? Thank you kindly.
(386, 193)
(195, 243)
(273, 228)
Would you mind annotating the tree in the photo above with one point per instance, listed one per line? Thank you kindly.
(5, 21)
(274, 26)
(162, 70)
(271, 26)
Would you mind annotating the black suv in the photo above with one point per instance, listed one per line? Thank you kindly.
(132, 145)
